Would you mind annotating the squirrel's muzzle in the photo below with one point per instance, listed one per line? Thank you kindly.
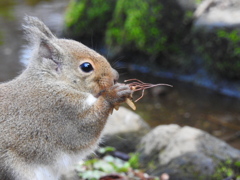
(115, 75)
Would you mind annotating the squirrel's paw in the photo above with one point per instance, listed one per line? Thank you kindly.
(117, 94)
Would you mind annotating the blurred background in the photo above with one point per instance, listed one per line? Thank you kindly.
(193, 45)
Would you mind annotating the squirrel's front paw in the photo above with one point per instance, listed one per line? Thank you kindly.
(117, 93)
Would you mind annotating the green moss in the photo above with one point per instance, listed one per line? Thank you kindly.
(87, 17)
(135, 23)
(227, 169)
(74, 11)
(221, 52)
(149, 27)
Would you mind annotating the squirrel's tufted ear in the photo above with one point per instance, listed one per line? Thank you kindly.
(34, 27)
(36, 32)
(39, 36)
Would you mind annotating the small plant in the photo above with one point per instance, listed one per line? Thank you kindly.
(228, 169)
(109, 166)
(220, 50)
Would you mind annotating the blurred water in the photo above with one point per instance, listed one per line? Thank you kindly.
(184, 104)
(191, 105)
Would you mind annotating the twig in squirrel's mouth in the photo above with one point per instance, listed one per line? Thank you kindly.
(141, 86)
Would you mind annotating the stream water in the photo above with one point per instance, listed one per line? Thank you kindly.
(184, 104)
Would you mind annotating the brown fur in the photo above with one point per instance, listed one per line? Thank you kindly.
(49, 111)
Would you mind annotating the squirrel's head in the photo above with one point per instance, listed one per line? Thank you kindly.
(66, 60)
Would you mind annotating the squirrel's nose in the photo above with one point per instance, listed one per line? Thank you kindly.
(115, 75)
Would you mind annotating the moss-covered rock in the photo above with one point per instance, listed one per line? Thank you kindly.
(87, 19)
(217, 37)
(155, 28)
(135, 26)
(220, 49)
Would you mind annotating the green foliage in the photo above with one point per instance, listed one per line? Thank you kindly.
(221, 52)
(188, 16)
(93, 169)
(135, 23)
(233, 38)
(134, 161)
(149, 27)
(107, 149)
(228, 169)
(85, 18)
(74, 11)
(6, 8)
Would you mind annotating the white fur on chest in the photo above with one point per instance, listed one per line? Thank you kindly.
(64, 163)
(90, 100)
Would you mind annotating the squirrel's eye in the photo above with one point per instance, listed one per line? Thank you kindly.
(86, 67)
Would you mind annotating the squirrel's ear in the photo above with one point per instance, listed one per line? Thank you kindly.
(33, 23)
(36, 31)
(48, 50)
(39, 36)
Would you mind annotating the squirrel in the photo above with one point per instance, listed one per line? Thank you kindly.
(53, 113)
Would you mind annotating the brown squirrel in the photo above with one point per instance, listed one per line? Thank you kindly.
(52, 114)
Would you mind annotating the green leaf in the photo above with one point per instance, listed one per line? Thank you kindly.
(134, 161)
(104, 166)
(92, 175)
(107, 149)
(90, 162)
(237, 163)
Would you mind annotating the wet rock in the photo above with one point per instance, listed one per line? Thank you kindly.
(124, 130)
(184, 152)
(218, 13)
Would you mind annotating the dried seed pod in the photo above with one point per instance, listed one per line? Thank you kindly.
(131, 104)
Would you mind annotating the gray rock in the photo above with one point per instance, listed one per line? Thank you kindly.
(158, 139)
(218, 13)
(124, 121)
(124, 130)
(184, 153)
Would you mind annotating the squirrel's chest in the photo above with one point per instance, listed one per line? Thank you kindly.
(63, 163)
